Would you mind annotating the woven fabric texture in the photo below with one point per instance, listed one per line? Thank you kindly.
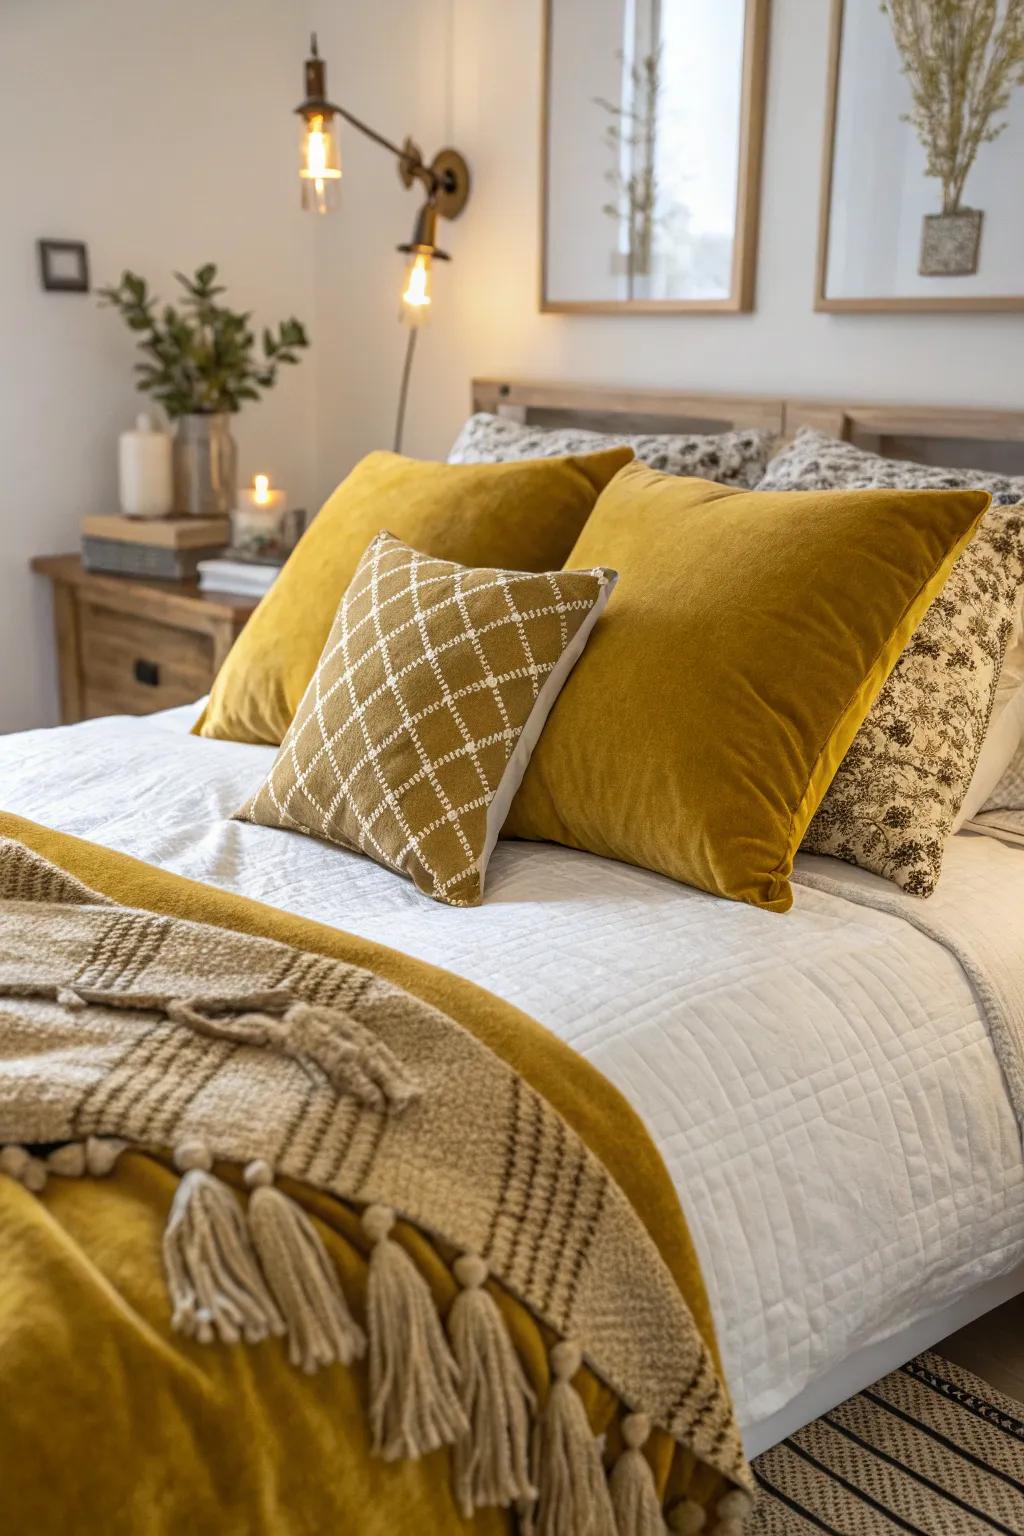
(930, 1448)
(416, 728)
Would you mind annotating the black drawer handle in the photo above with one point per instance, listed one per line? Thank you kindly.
(147, 672)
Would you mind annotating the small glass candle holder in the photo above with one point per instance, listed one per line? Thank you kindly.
(262, 528)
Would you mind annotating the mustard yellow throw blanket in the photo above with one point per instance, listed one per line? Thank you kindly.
(487, 1252)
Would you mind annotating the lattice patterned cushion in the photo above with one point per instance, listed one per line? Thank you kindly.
(428, 699)
(738, 457)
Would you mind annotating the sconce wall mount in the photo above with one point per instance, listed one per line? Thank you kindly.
(445, 180)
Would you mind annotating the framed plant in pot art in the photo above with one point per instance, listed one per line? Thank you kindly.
(921, 204)
(201, 362)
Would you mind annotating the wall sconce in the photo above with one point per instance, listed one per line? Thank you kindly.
(445, 181)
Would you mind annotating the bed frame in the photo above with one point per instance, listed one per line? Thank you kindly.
(968, 437)
(929, 434)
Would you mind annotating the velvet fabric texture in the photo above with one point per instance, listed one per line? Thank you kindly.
(518, 516)
(750, 635)
(114, 1426)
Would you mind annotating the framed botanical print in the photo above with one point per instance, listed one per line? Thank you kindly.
(651, 153)
(922, 202)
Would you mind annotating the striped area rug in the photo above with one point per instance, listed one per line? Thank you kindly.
(929, 1449)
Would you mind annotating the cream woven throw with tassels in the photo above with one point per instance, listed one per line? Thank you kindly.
(123, 1027)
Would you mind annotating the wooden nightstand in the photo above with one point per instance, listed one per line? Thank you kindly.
(129, 646)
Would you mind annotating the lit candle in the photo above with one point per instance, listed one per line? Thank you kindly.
(260, 498)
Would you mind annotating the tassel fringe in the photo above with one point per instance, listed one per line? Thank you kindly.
(301, 1276)
(492, 1460)
(234, 1275)
(733, 1510)
(348, 1054)
(687, 1519)
(215, 1284)
(414, 1402)
(568, 1469)
(631, 1485)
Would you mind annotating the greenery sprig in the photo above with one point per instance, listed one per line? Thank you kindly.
(199, 356)
(962, 59)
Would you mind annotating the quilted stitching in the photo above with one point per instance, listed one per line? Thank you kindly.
(822, 1087)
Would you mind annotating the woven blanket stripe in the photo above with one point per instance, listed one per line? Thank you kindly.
(128, 1027)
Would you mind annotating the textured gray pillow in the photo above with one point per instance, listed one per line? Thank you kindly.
(1008, 794)
(813, 461)
(732, 458)
(893, 802)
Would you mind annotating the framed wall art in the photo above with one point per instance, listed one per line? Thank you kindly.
(651, 152)
(921, 202)
(63, 265)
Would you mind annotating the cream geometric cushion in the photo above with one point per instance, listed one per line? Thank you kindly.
(428, 699)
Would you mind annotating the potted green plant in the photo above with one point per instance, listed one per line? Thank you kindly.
(962, 59)
(200, 361)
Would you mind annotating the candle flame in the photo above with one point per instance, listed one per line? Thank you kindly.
(261, 489)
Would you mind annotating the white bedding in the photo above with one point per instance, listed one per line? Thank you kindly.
(822, 1086)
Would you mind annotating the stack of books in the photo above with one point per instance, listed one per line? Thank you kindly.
(236, 575)
(167, 548)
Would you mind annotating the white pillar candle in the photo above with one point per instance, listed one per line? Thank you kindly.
(144, 470)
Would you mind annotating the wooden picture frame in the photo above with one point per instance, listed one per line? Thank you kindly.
(748, 185)
(909, 304)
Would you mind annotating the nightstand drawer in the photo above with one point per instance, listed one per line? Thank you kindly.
(133, 666)
(130, 646)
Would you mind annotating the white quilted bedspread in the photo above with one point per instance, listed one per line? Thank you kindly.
(821, 1085)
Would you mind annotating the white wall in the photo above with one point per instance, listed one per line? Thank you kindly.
(486, 316)
(169, 142)
(158, 132)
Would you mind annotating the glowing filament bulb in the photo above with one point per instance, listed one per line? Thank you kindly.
(261, 489)
(417, 288)
(319, 164)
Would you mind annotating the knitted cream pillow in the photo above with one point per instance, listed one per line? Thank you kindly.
(427, 701)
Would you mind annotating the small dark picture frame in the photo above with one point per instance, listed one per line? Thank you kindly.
(64, 266)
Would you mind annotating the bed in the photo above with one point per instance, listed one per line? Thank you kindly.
(824, 1090)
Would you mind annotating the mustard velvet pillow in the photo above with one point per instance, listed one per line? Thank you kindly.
(522, 516)
(749, 637)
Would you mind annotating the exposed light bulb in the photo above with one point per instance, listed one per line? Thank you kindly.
(416, 296)
(320, 164)
(261, 489)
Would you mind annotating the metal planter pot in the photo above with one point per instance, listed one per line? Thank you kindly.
(205, 462)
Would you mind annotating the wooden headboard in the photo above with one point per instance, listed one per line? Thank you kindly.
(967, 436)
(930, 434)
(624, 410)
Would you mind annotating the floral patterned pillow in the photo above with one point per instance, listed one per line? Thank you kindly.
(813, 461)
(893, 802)
(732, 458)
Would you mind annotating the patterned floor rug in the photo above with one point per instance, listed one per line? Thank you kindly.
(929, 1449)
